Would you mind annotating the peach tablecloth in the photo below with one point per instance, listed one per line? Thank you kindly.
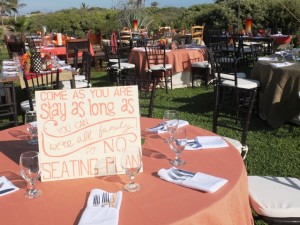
(60, 50)
(158, 203)
(180, 59)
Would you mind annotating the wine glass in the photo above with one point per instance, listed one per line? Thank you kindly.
(177, 145)
(31, 125)
(171, 121)
(30, 171)
(131, 162)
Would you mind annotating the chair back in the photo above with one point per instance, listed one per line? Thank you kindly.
(17, 47)
(197, 32)
(87, 59)
(81, 44)
(8, 106)
(146, 89)
(48, 80)
(155, 55)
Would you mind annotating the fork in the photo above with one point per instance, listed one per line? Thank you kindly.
(96, 200)
(105, 199)
(1, 184)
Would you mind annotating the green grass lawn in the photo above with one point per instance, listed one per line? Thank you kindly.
(271, 152)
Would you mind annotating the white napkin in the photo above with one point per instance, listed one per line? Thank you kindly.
(98, 215)
(10, 73)
(161, 128)
(277, 65)
(267, 59)
(205, 142)
(199, 181)
(7, 185)
(8, 63)
(9, 67)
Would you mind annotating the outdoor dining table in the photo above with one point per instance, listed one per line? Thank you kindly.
(279, 99)
(157, 203)
(180, 59)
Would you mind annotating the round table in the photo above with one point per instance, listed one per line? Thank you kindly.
(158, 203)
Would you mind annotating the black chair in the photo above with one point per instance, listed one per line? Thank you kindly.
(203, 70)
(157, 67)
(276, 200)
(8, 106)
(146, 89)
(48, 80)
(15, 47)
(82, 45)
(83, 79)
(234, 100)
(117, 65)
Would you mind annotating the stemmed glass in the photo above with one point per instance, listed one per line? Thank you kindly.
(171, 121)
(177, 145)
(31, 125)
(279, 31)
(30, 171)
(131, 162)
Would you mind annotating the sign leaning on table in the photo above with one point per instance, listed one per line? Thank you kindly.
(82, 132)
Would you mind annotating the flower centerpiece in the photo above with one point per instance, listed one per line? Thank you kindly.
(26, 62)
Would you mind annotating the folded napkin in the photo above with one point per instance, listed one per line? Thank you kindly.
(10, 73)
(267, 59)
(8, 63)
(205, 142)
(9, 67)
(6, 186)
(161, 128)
(98, 215)
(277, 65)
(198, 181)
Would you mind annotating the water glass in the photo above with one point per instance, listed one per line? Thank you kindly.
(279, 31)
(131, 162)
(177, 145)
(30, 171)
(31, 126)
(171, 121)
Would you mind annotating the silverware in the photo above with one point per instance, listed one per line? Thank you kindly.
(112, 201)
(1, 184)
(6, 190)
(96, 200)
(105, 199)
(174, 177)
(182, 175)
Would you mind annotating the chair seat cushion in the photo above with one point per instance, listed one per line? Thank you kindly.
(25, 105)
(231, 76)
(123, 66)
(116, 60)
(160, 67)
(243, 83)
(277, 197)
(236, 144)
(79, 77)
(66, 85)
(203, 64)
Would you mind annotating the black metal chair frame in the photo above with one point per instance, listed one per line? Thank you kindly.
(8, 106)
(146, 90)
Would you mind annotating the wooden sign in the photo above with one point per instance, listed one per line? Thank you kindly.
(83, 131)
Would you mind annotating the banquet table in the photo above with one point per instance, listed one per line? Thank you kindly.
(60, 50)
(157, 203)
(180, 59)
(279, 99)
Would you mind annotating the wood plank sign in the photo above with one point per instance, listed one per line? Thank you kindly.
(82, 132)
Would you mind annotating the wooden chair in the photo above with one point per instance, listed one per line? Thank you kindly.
(47, 80)
(157, 67)
(15, 47)
(8, 106)
(197, 33)
(234, 100)
(276, 200)
(96, 42)
(146, 90)
(81, 44)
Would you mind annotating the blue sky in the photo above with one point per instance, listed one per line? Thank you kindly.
(54, 5)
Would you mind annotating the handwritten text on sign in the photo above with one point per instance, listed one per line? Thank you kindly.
(83, 131)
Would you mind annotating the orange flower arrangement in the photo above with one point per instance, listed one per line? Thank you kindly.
(25, 59)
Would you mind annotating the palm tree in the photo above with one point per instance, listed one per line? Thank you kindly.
(4, 9)
(15, 5)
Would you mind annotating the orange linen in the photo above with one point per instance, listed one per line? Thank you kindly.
(158, 203)
(61, 50)
(180, 59)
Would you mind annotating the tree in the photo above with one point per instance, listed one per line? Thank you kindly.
(4, 9)
(154, 4)
(15, 5)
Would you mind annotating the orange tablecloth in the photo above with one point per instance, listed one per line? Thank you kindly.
(158, 203)
(60, 50)
(180, 59)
